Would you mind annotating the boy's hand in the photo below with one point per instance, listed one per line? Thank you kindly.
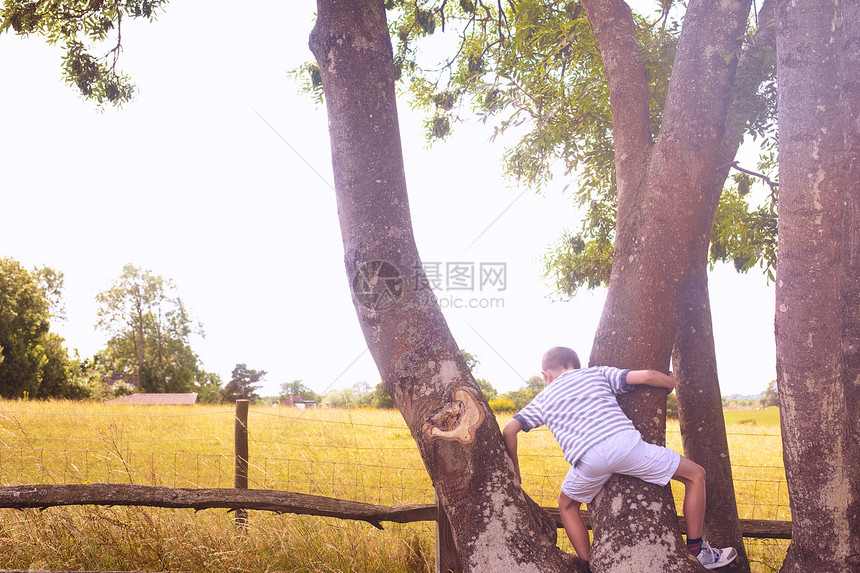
(671, 382)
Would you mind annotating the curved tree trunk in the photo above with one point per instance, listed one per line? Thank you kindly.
(700, 410)
(818, 446)
(700, 404)
(663, 211)
(495, 526)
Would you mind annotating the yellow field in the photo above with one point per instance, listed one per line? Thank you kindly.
(363, 455)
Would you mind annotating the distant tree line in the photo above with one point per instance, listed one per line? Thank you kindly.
(766, 399)
(363, 395)
(149, 349)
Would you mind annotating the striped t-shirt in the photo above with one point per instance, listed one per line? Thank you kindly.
(580, 409)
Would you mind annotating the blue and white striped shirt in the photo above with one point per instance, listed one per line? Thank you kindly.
(580, 409)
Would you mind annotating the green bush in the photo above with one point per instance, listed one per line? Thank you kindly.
(502, 405)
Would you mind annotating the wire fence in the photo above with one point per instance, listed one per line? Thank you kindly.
(360, 455)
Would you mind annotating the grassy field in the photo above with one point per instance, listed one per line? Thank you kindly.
(765, 417)
(363, 455)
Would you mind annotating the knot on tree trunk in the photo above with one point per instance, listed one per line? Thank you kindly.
(456, 420)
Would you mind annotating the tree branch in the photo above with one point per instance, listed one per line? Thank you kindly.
(774, 185)
(615, 32)
(44, 496)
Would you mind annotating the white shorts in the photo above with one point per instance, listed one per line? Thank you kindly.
(624, 453)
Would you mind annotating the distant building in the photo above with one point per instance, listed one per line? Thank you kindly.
(186, 399)
(298, 402)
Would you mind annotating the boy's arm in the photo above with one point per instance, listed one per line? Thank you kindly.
(510, 432)
(651, 378)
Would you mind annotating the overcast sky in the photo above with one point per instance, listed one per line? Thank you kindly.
(218, 176)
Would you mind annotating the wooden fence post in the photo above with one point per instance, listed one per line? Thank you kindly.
(241, 441)
(446, 554)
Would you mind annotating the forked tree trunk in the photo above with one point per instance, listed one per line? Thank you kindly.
(663, 210)
(818, 446)
(700, 407)
(496, 527)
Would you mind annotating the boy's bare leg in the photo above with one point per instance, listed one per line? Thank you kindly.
(692, 475)
(574, 526)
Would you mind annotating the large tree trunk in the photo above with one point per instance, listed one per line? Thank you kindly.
(851, 285)
(495, 526)
(818, 447)
(663, 209)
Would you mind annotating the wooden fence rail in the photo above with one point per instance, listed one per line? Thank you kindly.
(44, 496)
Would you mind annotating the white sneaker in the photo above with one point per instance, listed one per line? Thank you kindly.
(712, 558)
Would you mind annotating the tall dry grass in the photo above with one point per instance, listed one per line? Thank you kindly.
(363, 455)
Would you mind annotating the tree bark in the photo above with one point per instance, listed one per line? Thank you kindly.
(496, 526)
(663, 212)
(851, 285)
(819, 451)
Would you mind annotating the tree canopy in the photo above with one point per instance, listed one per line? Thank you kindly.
(243, 384)
(298, 388)
(150, 331)
(90, 33)
(33, 361)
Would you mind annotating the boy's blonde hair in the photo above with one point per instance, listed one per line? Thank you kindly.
(559, 358)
